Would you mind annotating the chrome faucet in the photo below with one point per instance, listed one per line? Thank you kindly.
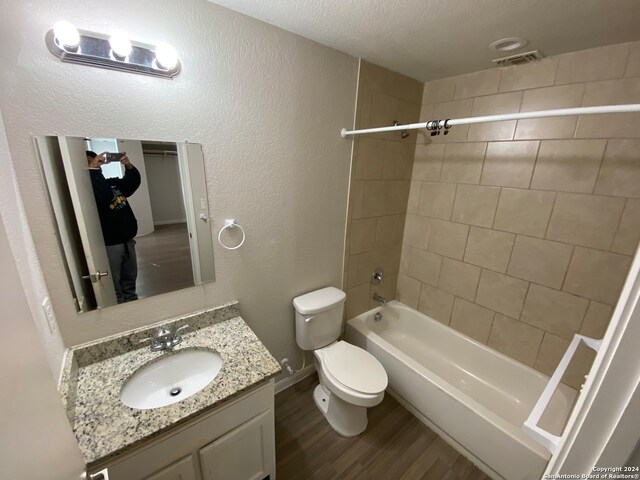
(165, 339)
(379, 298)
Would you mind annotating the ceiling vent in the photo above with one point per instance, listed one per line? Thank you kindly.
(519, 58)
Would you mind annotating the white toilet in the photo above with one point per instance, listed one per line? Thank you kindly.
(351, 379)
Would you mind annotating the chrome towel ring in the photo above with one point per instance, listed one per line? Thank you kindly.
(230, 223)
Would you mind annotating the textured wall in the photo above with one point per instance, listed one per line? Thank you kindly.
(267, 107)
(379, 189)
(520, 234)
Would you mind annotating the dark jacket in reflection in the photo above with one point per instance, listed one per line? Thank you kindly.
(118, 222)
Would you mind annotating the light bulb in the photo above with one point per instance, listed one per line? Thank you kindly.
(120, 45)
(166, 56)
(66, 34)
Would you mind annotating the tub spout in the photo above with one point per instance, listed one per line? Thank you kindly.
(379, 298)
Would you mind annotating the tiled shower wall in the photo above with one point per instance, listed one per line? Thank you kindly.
(380, 181)
(520, 234)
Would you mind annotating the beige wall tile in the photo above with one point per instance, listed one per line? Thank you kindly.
(414, 197)
(436, 200)
(494, 105)
(633, 62)
(620, 174)
(546, 128)
(389, 230)
(363, 235)
(533, 75)
(417, 230)
(436, 303)
(472, 320)
(524, 211)
(386, 197)
(427, 164)
(448, 239)
(370, 159)
(425, 266)
(593, 64)
(459, 278)
(628, 234)
(568, 165)
(501, 293)
(352, 271)
(588, 220)
(612, 92)
(509, 164)
(455, 109)
(357, 300)
(438, 91)
(475, 84)
(405, 259)
(489, 248)
(540, 261)
(609, 125)
(550, 98)
(597, 275)
(408, 291)
(515, 339)
(463, 162)
(552, 350)
(494, 131)
(398, 160)
(356, 199)
(475, 205)
(553, 311)
(374, 199)
(596, 320)
(385, 109)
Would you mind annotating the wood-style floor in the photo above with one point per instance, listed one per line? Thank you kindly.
(396, 445)
(164, 260)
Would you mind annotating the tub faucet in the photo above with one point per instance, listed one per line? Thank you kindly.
(379, 298)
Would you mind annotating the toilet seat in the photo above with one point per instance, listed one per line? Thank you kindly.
(352, 373)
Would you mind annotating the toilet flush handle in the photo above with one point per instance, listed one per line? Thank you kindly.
(308, 319)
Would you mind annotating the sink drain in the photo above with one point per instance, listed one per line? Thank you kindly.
(175, 391)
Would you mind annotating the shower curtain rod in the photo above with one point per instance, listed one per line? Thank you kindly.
(436, 125)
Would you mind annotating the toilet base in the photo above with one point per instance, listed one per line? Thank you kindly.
(346, 419)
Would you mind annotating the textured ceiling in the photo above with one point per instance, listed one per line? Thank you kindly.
(430, 39)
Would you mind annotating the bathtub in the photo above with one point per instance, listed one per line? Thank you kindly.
(474, 397)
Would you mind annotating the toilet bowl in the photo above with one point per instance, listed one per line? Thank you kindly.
(351, 379)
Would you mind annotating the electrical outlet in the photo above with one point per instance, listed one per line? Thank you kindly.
(48, 312)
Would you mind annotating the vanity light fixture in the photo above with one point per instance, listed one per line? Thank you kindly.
(115, 52)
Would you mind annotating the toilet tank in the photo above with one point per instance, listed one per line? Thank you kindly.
(319, 317)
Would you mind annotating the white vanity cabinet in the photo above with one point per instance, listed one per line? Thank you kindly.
(235, 441)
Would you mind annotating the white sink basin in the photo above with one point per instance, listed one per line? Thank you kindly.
(170, 379)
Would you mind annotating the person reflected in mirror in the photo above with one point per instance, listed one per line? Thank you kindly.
(119, 224)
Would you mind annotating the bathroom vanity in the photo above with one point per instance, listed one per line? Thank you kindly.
(225, 430)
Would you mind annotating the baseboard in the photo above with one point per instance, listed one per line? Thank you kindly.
(170, 222)
(295, 378)
(486, 469)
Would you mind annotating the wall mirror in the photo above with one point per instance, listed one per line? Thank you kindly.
(132, 216)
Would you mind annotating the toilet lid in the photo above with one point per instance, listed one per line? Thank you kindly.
(355, 368)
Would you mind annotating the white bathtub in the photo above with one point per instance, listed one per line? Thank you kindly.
(473, 396)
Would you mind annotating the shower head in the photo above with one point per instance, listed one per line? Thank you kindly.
(403, 133)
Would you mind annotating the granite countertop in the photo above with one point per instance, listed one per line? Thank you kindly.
(93, 375)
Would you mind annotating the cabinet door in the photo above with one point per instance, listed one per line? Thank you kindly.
(180, 470)
(241, 454)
